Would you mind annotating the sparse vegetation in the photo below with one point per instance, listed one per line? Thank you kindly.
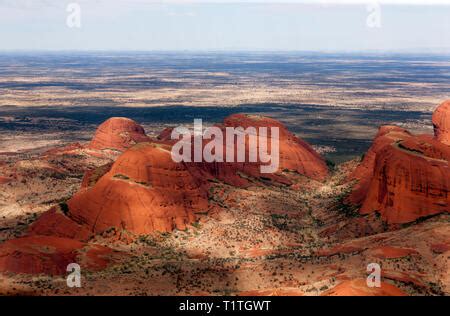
(64, 207)
(344, 207)
(330, 164)
(121, 176)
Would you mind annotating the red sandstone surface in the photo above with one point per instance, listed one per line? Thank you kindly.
(363, 173)
(359, 288)
(441, 122)
(118, 133)
(144, 191)
(405, 177)
(4, 180)
(295, 154)
(411, 180)
(389, 252)
(49, 255)
(55, 223)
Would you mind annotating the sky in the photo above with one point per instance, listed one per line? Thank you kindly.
(204, 25)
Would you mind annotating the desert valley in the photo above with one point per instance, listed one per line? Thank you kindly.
(138, 223)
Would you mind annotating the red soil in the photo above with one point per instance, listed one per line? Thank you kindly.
(55, 223)
(49, 255)
(118, 133)
(5, 180)
(359, 287)
(274, 292)
(388, 252)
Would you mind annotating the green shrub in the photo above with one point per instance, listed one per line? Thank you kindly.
(330, 164)
(64, 207)
(121, 176)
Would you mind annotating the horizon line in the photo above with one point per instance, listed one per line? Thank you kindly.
(443, 51)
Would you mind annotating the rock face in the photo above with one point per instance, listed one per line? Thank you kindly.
(386, 135)
(411, 180)
(144, 191)
(405, 177)
(118, 133)
(295, 154)
(55, 222)
(389, 252)
(441, 123)
(49, 255)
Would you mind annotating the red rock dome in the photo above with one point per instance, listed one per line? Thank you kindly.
(386, 135)
(411, 179)
(441, 123)
(403, 177)
(55, 222)
(294, 154)
(144, 191)
(118, 133)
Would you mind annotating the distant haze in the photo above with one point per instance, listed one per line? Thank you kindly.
(294, 25)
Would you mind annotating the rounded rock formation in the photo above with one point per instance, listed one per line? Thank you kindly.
(405, 177)
(295, 154)
(144, 191)
(441, 123)
(411, 180)
(386, 135)
(117, 133)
